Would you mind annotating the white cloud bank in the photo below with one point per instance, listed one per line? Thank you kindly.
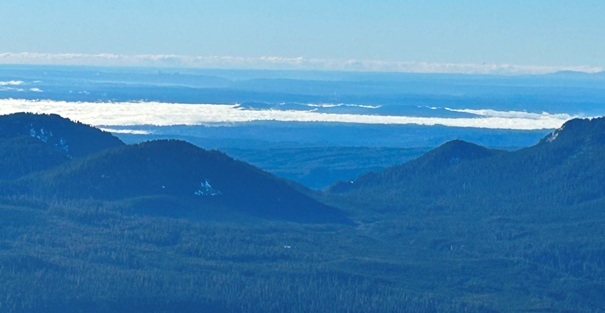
(112, 114)
(126, 131)
(12, 83)
(273, 62)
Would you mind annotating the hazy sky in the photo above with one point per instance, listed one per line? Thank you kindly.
(558, 33)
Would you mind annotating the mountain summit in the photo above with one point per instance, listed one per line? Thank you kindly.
(578, 132)
(70, 138)
(78, 162)
(34, 142)
(453, 152)
(565, 168)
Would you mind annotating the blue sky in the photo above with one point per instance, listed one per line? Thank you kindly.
(550, 33)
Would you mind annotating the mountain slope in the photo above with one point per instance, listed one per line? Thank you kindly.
(24, 154)
(73, 139)
(181, 171)
(565, 168)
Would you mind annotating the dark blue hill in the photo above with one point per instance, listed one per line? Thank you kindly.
(35, 142)
(565, 168)
(191, 176)
(73, 139)
(24, 154)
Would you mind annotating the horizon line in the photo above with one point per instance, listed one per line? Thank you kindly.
(281, 63)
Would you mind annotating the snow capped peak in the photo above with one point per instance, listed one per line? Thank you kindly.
(553, 136)
(206, 189)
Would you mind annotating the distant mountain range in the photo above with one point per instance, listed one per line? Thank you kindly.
(566, 168)
(49, 157)
(578, 74)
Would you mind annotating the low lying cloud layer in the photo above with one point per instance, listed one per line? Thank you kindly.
(116, 114)
(126, 131)
(11, 83)
(274, 62)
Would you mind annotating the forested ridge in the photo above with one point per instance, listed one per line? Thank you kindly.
(460, 229)
(565, 168)
(171, 172)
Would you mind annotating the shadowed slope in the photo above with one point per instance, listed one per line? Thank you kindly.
(177, 169)
(565, 168)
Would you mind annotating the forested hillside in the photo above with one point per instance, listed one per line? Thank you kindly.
(169, 176)
(566, 168)
(70, 138)
(165, 226)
